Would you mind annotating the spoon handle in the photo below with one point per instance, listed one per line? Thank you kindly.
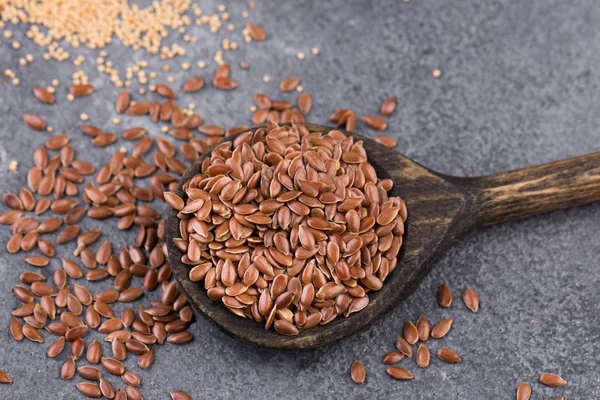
(521, 193)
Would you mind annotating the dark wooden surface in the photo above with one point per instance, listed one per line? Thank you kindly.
(441, 209)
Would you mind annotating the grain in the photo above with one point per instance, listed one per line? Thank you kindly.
(410, 333)
(552, 380)
(399, 373)
(392, 357)
(388, 106)
(179, 395)
(440, 329)
(374, 122)
(289, 84)
(471, 299)
(34, 122)
(90, 390)
(423, 328)
(523, 391)
(423, 356)
(4, 378)
(357, 372)
(448, 355)
(444, 296)
(386, 141)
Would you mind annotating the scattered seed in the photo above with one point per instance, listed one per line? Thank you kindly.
(399, 373)
(523, 391)
(471, 299)
(448, 355)
(444, 296)
(440, 329)
(552, 380)
(357, 372)
(388, 107)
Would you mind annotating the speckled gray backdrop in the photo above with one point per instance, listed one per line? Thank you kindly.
(519, 86)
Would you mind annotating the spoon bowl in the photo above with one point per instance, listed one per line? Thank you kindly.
(441, 209)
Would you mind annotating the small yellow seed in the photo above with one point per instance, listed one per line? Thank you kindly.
(300, 56)
(315, 51)
(266, 79)
(84, 117)
(252, 108)
(16, 45)
(299, 88)
(49, 129)
(12, 166)
(436, 73)
(152, 88)
(171, 79)
(51, 89)
(16, 81)
(164, 129)
(70, 97)
(142, 90)
(185, 66)
(116, 121)
(201, 64)
(123, 149)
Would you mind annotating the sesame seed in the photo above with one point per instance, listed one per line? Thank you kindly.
(16, 81)
(315, 51)
(252, 108)
(70, 97)
(171, 79)
(185, 66)
(7, 34)
(245, 14)
(266, 79)
(300, 55)
(16, 45)
(142, 90)
(164, 129)
(231, 27)
(251, 4)
(116, 121)
(29, 58)
(191, 106)
(436, 73)
(299, 88)
(201, 64)
(55, 82)
(221, 7)
(165, 68)
(51, 89)
(123, 149)
(49, 129)
(84, 117)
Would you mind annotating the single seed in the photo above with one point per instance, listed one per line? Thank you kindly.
(444, 296)
(440, 329)
(423, 356)
(357, 372)
(552, 380)
(399, 373)
(448, 355)
(523, 391)
(471, 299)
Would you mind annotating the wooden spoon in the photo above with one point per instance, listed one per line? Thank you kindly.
(441, 209)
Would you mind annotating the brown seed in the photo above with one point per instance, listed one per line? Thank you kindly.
(256, 32)
(94, 352)
(16, 329)
(67, 371)
(43, 95)
(122, 102)
(404, 347)
(81, 90)
(444, 296)
(523, 391)
(448, 355)
(90, 390)
(374, 122)
(399, 373)
(4, 378)
(423, 356)
(131, 294)
(440, 329)
(89, 373)
(388, 107)
(423, 328)
(193, 84)
(392, 357)
(165, 91)
(386, 141)
(57, 347)
(305, 103)
(37, 261)
(107, 389)
(180, 337)
(552, 380)
(410, 333)
(179, 395)
(145, 361)
(471, 299)
(289, 84)
(357, 372)
(112, 366)
(133, 393)
(34, 122)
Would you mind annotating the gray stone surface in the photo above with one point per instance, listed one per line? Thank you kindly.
(519, 87)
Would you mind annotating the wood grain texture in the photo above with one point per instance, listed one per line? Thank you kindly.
(440, 210)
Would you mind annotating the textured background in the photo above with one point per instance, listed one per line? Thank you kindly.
(519, 87)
